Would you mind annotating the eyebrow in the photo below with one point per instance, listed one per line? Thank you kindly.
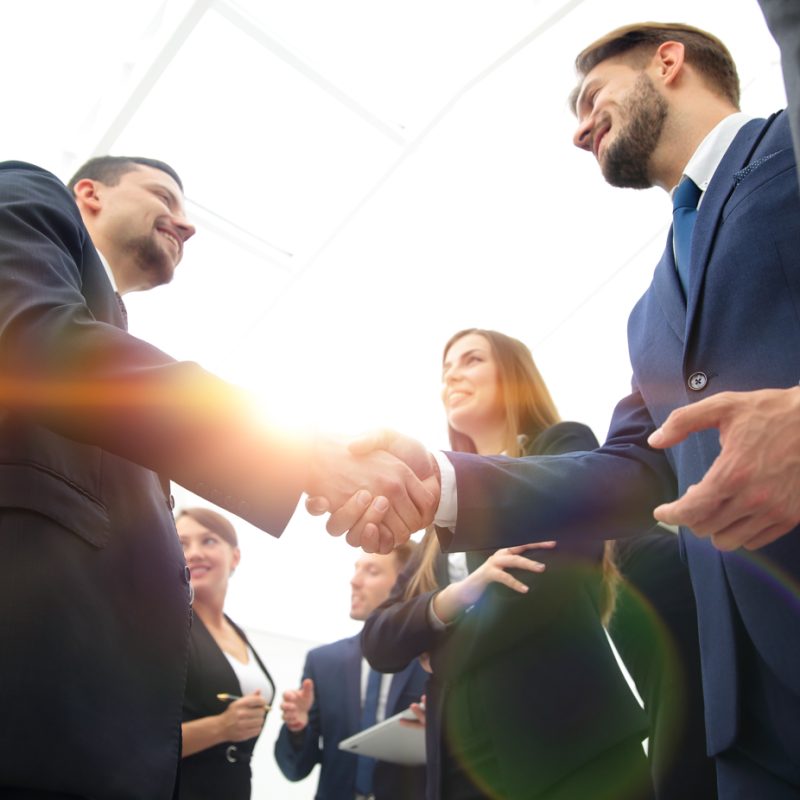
(466, 353)
(174, 199)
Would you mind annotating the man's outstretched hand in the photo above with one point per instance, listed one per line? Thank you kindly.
(393, 484)
(750, 495)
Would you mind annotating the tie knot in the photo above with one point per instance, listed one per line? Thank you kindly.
(686, 195)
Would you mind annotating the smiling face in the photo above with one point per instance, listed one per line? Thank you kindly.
(471, 388)
(209, 557)
(139, 224)
(621, 119)
(372, 581)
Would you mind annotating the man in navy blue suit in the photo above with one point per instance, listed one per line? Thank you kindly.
(327, 707)
(713, 418)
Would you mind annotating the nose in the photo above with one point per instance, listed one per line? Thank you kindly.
(191, 549)
(356, 579)
(451, 374)
(185, 228)
(582, 138)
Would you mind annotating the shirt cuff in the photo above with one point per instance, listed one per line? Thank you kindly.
(433, 620)
(447, 512)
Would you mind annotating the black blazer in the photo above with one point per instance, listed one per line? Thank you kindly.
(654, 629)
(553, 697)
(222, 770)
(94, 594)
(336, 714)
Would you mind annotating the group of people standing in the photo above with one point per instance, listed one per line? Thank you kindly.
(525, 697)
(523, 700)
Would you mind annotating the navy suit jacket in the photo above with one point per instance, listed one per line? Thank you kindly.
(336, 714)
(94, 594)
(739, 329)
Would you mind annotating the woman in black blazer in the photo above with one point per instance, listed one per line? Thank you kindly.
(228, 688)
(525, 700)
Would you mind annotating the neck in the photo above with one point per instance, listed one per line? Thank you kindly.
(210, 611)
(490, 442)
(684, 132)
(118, 262)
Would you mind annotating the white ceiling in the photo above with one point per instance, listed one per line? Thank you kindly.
(368, 176)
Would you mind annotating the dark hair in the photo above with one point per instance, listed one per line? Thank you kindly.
(528, 407)
(109, 169)
(707, 54)
(212, 521)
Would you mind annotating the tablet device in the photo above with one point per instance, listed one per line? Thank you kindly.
(389, 741)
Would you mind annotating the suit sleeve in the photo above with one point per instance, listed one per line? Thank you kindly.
(606, 493)
(90, 381)
(298, 753)
(398, 630)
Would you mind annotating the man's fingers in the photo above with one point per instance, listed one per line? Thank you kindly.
(373, 440)
(767, 536)
(690, 419)
(317, 506)
(344, 518)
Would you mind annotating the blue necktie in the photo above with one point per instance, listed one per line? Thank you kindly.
(684, 213)
(369, 714)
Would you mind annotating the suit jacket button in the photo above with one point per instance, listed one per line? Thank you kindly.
(698, 381)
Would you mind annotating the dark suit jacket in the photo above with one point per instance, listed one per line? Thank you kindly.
(741, 329)
(783, 19)
(535, 669)
(336, 714)
(222, 770)
(94, 596)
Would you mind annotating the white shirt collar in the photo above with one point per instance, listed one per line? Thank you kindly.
(107, 267)
(703, 164)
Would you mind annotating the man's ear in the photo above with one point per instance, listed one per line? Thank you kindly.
(669, 61)
(87, 195)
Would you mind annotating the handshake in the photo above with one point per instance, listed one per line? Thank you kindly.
(378, 489)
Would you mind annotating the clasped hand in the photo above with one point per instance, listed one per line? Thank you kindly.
(379, 489)
(750, 496)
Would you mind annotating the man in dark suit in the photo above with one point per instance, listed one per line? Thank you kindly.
(94, 593)
(714, 413)
(327, 707)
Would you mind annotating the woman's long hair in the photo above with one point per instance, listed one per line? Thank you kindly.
(528, 409)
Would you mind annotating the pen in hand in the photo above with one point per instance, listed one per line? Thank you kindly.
(225, 697)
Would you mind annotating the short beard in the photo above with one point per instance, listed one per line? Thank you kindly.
(151, 260)
(627, 160)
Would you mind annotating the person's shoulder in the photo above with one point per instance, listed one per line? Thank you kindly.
(33, 183)
(22, 170)
(333, 649)
(563, 437)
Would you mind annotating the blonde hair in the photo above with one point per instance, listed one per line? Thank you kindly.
(528, 409)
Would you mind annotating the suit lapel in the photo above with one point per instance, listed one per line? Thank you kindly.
(667, 287)
(709, 216)
(352, 683)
